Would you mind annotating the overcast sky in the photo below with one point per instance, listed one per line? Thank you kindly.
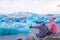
(35, 6)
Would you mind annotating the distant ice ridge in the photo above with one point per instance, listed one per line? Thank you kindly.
(38, 18)
(14, 16)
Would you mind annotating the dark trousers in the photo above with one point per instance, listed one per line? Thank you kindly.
(49, 33)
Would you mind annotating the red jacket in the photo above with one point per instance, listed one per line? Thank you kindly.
(53, 26)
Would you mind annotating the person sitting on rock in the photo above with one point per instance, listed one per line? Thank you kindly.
(53, 27)
(43, 30)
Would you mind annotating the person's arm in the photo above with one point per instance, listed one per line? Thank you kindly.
(37, 27)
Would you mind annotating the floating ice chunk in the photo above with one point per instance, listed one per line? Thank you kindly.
(16, 19)
(57, 20)
(4, 27)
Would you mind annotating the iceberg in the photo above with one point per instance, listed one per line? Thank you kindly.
(13, 28)
(17, 27)
(57, 20)
(4, 28)
(16, 19)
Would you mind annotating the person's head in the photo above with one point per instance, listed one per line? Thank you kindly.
(52, 19)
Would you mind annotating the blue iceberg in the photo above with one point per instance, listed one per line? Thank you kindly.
(37, 19)
(4, 28)
(13, 28)
(19, 28)
(16, 19)
(57, 20)
(30, 23)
